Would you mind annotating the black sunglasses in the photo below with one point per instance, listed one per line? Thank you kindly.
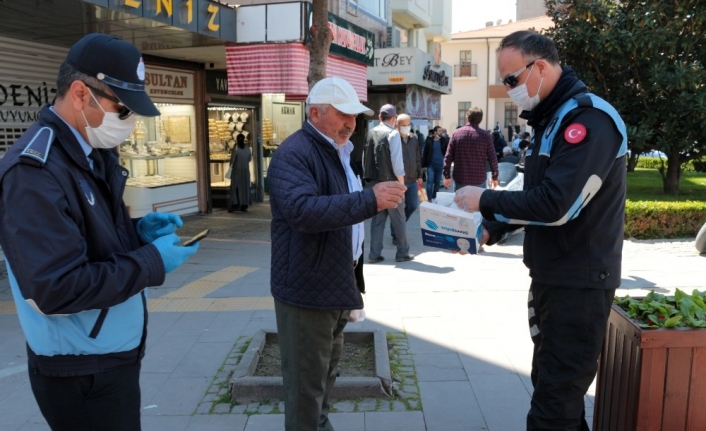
(124, 110)
(511, 80)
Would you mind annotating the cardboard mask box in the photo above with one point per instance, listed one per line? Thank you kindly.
(450, 228)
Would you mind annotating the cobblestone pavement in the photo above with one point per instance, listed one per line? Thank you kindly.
(463, 319)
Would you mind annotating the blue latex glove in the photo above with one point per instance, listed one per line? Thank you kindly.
(154, 225)
(172, 254)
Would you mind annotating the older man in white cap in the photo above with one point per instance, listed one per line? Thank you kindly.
(318, 209)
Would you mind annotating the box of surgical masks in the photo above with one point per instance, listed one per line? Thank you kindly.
(446, 226)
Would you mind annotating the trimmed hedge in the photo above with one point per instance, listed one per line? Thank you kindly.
(656, 163)
(653, 219)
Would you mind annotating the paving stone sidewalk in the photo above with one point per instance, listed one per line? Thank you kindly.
(464, 318)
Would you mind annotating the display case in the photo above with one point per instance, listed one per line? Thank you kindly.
(279, 120)
(160, 156)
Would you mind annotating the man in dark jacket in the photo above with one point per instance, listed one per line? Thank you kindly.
(77, 263)
(433, 161)
(572, 208)
(383, 161)
(318, 209)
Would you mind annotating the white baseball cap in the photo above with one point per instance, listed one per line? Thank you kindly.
(338, 93)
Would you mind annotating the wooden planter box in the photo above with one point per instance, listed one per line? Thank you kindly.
(650, 379)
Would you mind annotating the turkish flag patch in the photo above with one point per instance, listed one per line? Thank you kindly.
(575, 133)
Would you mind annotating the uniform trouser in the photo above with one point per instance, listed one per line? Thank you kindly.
(310, 344)
(107, 401)
(567, 326)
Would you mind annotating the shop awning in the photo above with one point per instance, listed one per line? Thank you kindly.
(283, 68)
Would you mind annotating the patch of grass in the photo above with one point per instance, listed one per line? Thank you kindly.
(646, 185)
(225, 397)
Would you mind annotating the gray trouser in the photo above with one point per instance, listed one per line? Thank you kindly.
(398, 223)
(310, 344)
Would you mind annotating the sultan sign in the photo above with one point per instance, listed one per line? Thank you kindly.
(410, 66)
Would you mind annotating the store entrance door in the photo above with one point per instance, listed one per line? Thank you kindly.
(227, 124)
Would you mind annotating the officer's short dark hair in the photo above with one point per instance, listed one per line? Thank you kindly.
(531, 45)
(68, 74)
(475, 115)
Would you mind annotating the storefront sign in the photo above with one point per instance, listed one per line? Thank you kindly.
(351, 41)
(409, 66)
(216, 82)
(168, 84)
(206, 17)
(21, 102)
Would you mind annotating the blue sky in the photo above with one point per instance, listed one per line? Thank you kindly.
(473, 14)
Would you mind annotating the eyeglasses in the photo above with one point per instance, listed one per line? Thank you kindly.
(124, 111)
(511, 79)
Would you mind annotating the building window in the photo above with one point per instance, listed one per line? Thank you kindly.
(510, 114)
(404, 37)
(373, 7)
(464, 66)
(463, 108)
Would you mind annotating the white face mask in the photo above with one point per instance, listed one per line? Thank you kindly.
(112, 132)
(521, 96)
(405, 130)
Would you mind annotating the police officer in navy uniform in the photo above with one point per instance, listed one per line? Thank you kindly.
(572, 208)
(77, 263)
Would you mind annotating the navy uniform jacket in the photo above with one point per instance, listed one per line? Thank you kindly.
(76, 265)
(573, 202)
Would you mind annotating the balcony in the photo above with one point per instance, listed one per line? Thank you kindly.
(411, 13)
(465, 70)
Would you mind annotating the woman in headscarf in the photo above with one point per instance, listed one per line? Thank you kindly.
(240, 176)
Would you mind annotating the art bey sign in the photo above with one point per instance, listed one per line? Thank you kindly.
(409, 66)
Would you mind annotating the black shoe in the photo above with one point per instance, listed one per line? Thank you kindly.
(231, 209)
(376, 260)
(405, 258)
(394, 241)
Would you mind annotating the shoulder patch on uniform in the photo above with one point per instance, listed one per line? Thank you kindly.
(38, 148)
(575, 133)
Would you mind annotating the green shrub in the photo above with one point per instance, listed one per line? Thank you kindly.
(653, 219)
(656, 163)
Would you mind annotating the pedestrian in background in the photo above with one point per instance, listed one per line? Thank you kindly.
(240, 176)
(470, 148)
(77, 264)
(412, 167)
(383, 161)
(573, 211)
(318, 209)
(433, 161)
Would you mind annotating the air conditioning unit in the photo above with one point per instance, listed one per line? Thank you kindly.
(393, 37)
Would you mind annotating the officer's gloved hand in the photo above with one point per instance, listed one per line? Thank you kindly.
(172, 254)
(154, 225)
